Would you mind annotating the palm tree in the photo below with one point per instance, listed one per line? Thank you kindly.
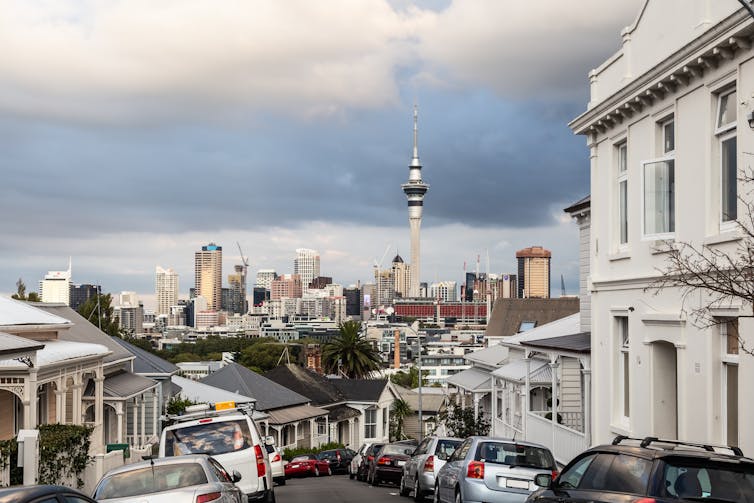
(350, 353)
(398, 413)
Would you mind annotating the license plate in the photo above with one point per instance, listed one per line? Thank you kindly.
(517, 483)
(400, 463)
(294, 466)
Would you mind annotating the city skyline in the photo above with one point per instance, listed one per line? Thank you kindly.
(307, 153)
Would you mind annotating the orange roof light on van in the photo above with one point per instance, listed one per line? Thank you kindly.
(225, 405)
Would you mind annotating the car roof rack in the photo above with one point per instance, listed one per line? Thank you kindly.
(211, 410)
(647, 441)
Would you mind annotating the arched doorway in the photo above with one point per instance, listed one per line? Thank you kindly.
(664, 390)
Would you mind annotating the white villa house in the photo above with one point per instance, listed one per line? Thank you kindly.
(675, 95)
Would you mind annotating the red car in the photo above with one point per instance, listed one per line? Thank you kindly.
(305, 465)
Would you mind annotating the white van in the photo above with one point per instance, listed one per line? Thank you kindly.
(230, 436)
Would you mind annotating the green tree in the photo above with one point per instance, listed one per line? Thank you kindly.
(33, 297)
(264, 356)
(398, 413)
(177, 404)
(350, 353)
(20, 290)
(409, 379)
(101, 315)
(460, 421)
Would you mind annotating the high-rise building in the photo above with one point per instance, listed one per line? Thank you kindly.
(265, 277)
(415, 189)
(166, 289)
(533, 272)
(56, 286)
(353, 300)
(306, 265)
(259, 295)
(401, 277)
(81, 293)
(445, 290)
(286, 285)
(208, 268)
(319, 282)
(237, 302)
(385, 288)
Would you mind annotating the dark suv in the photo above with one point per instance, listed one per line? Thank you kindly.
(650, 470)
(339, 459)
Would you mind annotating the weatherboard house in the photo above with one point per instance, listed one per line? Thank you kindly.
(669, 129)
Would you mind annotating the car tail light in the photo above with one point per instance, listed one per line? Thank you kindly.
(554, 474)
(370, 458)
(261, 470)
(646, 500)
(276, 457)
(429, 464)
(203, 498)
(384, 460)
(475, 470)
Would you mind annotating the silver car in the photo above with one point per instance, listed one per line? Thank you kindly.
(277, 466)
(194, 478)
(353, 466)
(492, 470)
(420, 471)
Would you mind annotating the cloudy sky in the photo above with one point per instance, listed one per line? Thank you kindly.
(133, 132)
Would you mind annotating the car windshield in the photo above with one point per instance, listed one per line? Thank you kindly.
(208, 438)
(373, 450)
(396, 449)
(446, 447)
(717, 481)
(527, 456)
(150, 480)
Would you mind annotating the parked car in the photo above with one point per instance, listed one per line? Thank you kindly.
(353, 466)
(388, 462)
(195, 478)
(493, 470)
(277, 466)
(652, 470)
(307, 464)
(420, 471)
(43, 493)
(340, 459)
(366, 461)
(228, 434)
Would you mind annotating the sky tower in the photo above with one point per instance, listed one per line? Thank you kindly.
(415, 189)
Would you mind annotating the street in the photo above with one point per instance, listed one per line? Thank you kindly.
(335, 489)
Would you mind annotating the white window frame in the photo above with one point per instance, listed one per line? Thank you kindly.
(622, 178)
(726, 225)
(727, 359)
(722, 128)
(368, 424)
(621, 336)
(663, 124)
(660, 235)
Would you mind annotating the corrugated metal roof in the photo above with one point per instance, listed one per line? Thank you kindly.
(14, 344)
(59, 351)
(122, 385)
(82, 330)
(492, 356)
(204, 393)
(567, 325)
(360, 390)
(16, 312)
(515, 371)
(269, 394)
(508, 314)
(292, 414)
(147, 363)
(577, 343)
(472, 379)
(318, 388)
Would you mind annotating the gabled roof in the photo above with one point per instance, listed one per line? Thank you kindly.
(564, 326)
(269, 394)
(515, 370)
(431, 403)
(15, 312)
(580, 205)
(56, 351)
(83, 331)
(472, 379)
(577, 343)
(122, 385)
(361, 390)
(293, 414)
(145, 362)
(12, 344)
(319, 389)
(508, 314)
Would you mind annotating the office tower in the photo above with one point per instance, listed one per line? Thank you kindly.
(444, 290)
(166, 289)
(265, 277)
(208, 268)
(259, 295)
(81, 293)
(401, 277)
(384, 287)
(415, 189)
(306, 265)
(237, 296)
(507, 286)
(534, 272)
(56, 286)
(286, 285)
(353, 300)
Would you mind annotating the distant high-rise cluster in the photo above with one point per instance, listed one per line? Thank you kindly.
(208, 267)
(534, 272)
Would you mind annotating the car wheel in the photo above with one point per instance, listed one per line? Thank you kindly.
(418, 494)
(404, 491)
(316, 471)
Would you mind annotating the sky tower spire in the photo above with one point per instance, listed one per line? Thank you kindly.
(415, 189)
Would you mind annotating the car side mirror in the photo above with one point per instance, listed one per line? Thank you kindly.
(235, 476)
(543, 480)
(269, 440)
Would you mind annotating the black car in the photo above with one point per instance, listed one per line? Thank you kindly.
(652, 470)
(339, 459)
(387, 464)
(43, 494)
